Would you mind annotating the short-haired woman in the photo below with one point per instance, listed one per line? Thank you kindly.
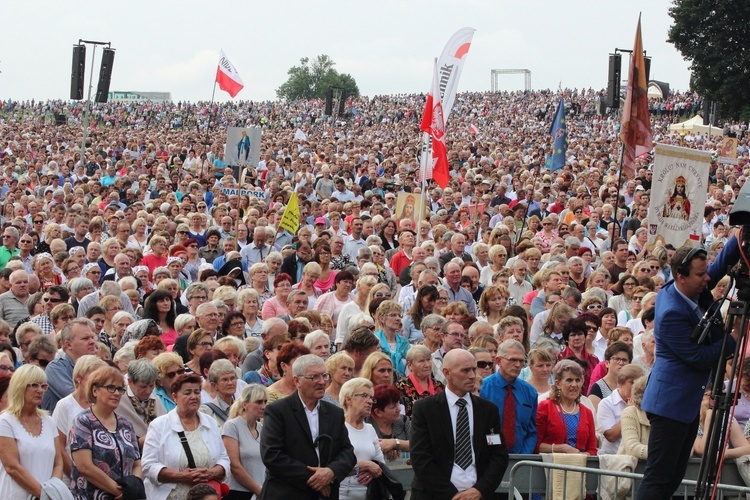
(393, 428)
(140, 405)
(419, 383)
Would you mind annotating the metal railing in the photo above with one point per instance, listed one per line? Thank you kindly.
(590, 480)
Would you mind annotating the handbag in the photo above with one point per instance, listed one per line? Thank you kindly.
(386, 486)
(221, 488)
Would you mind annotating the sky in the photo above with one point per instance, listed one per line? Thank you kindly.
(388, 46)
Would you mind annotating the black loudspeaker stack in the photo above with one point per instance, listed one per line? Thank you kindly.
(613, 87)
(342, 103)
(105, 75)
(329, 102)
(76, 76)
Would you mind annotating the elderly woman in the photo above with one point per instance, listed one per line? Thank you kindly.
(30, 450)
(319, 343)
(184, 447)
(617, 355)
(234, 325)
(331, 303)
(356, 398)
(168, 366)
(235, 351)
(284, 362)
(424, 304)
(68, 408)
(391, 341)
(419, 383)
(541, 362)
(432, 325)
(258, 273)
(512, 327)
(634, 424)
(222, 376)
(574, 335)
(158, 255)
(277, 306)
(198, 342)
(44, 268)
(393, 428)
(103, 444)
(140, 405)
(241, 436)
(310, 274)
(248, 303)
(120, 322)
(340, 368)
(563, 424)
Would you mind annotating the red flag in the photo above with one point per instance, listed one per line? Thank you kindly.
(433, 123)
(227, 77)
(635, 130)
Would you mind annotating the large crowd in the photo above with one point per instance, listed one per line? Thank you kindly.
(148, 316)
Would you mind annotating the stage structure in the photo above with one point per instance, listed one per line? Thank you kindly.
(497, 72)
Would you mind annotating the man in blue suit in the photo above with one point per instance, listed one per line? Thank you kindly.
(675, 387)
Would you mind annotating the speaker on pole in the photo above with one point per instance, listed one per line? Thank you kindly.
(105, 75)
(60, 119)
(329, 102)
(613, 87)
(706, 111)
(342, 103)
(647, 62)
(76, 75)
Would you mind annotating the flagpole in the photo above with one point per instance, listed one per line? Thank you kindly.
(210, 108)
(423, 161)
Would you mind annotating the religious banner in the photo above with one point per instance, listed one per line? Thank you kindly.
(678, 196)
(258, 193)
(242, 148)
(728, 151)
(410, 206)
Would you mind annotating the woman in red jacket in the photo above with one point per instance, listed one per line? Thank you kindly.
(562, 423)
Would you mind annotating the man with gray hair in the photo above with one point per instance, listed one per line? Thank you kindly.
(297, 465)
(77, 338)
(13, 302)
(516, 399)
(108, 288)
(10, 245)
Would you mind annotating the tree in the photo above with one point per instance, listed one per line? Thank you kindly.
(312, 79)
(713, 37)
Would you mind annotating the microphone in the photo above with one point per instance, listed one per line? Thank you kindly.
(697, 335)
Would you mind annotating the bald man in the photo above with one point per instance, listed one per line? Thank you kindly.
(472, 463)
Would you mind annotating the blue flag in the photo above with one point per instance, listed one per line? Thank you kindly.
(560, 134)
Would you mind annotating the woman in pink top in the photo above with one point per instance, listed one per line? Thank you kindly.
(277, 306)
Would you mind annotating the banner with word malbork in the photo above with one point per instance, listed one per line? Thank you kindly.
(678, 196)
(242, 149)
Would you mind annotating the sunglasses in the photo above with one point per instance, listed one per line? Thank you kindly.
(175, 373)
(484, 364)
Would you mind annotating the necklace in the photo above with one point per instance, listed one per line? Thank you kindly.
(32, 425)
(572, 411)
(193, 424)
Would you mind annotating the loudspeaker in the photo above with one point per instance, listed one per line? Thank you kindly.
(342, 103)
(613, 87)
(76, 75)
(706, 111)
(647, 62)
(60, 119)
(329, 102)
(105, 75)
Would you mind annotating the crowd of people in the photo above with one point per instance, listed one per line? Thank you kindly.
(148, 314)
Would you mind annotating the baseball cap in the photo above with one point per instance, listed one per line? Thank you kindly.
(320, 220)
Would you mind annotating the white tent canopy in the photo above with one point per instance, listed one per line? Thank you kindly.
(695, 125)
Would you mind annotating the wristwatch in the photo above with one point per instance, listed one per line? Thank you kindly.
(398, 444)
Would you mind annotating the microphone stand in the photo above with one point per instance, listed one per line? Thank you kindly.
(722, 401)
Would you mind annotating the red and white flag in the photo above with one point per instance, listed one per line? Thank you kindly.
(227, 77)
(473, 129)
(433, 123)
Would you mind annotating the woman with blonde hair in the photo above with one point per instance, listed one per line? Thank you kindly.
(390, 335)
(634, 423)
(241, 436)
(310, 274)
(258, 273)
(367, 287)
(340, 367)
(30, 450)
(44, 268)
(492, 303)
(378, 368)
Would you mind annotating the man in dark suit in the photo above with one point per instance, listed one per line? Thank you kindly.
(675, 387)
(294, 264)
(305, 445)
(452, 459)
(542, 211)
(458, 249)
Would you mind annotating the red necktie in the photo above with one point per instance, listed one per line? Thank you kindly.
(509, 418)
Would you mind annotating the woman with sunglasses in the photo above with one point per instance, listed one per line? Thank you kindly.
(168, 366)
(624, 290)
(30, 450)
(424, 304)
(635, 306)
(574, 335)
(100, 436)
(547, 234)
(367, 286)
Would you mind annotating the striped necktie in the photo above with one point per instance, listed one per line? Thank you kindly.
(463, 437)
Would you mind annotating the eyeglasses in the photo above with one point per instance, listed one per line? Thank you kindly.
(6, 368)
(458, 335)
(199, 297)
(594, 306)
(515, 361)
(484, 364)
(112, 388)
(204, 344)
(620, 361)
(382, 294)
(174, 373)
(318, 377)
(42, 362)
(54, 300)
(7, 236)
(637, 297)
(365, 396)
(237, 323)
(36, 385)
(628, 284)
(38, 222)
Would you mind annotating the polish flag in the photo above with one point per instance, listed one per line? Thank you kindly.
(473, 129)
(227, 77)
(433, 123)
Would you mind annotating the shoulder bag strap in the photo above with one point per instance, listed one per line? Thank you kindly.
(218, 411)
(186, 447)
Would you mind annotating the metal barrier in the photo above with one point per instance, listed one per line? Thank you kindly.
(592, 482)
